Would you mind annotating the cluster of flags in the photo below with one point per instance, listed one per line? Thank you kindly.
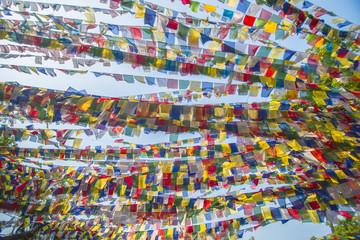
(250, 164)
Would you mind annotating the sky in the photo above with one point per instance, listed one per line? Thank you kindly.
(106, 86)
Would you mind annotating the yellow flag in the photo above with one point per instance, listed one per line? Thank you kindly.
(271, 82)
(244, 33)
(226, 148)
(314, 216)
(160, 63)
(185, 202)
(290, 77)
(254, 91)
(67, 208)
(77, 142)
(139, 11)
(142, 183)
(107, 54)
(171, 55)
(273, 105)
(264, 145)
(266, 212)
(232, 3)
(209, 8)
(345, 63)
(220, 65)
(294, 145)
(280, 149)
(3, 35)
(337, 20)
(95, 228)
(222, 137)
(54, 44)
(276, 52)
(48, 133)
(165, 111)
(219, 112)
(102, 183)
(270, 27)
(170, 232)
(229, 114)
(160, 36)
(59, 26)
(27, 222)
(286, 25)
(215, 45)
(107, 104)
(294, 2)
(319, 97)
(70, 169)
(253, 113)
(319, 43)
(90, 16)
(340, 174)
(257, 197)
(84, 103)
(194, 37)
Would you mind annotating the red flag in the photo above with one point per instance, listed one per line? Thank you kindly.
(128, 181)
(21, 187)
(136, 32)
(172, 24)
(345, 214)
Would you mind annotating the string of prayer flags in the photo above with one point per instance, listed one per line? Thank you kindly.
(244, 135)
